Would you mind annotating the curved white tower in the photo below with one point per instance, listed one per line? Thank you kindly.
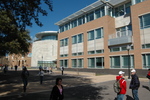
(44, 49)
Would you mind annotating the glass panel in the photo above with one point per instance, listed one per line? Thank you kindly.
(146, 20)
(148, 59)
(74, 63)
(65, 63)
(102, 10)
(80, 38)
(115, 62)
(74, 39)
(91, 52)
(97, 13)
(91, 35)
(80, 63)
(115, 49)
(91, 62)
(127, 6)
(125, 61)
(99, 62)
(98, 33)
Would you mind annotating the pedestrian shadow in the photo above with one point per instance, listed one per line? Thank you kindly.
(129, 97)
(146, 87)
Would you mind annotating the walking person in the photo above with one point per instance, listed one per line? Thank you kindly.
(134, 84)
(41, 74)
(62, 70)
(24, 76)
(148, 76)
(122, 83)
(16, 67)
(57, 91)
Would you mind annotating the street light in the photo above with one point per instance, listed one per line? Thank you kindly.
(128, 48)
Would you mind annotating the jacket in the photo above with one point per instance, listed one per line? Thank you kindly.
(55, 94)
(122, 84)
(135, 83)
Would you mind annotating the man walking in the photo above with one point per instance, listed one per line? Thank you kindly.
(122, 82)
(135, 84)
(148, 76)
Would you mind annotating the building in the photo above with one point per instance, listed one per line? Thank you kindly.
(19, 59)
(44, 49)
(107, 34)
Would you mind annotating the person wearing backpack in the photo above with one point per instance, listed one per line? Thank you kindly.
(121, 86)
(148, 76)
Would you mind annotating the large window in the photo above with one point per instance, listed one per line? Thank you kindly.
(122, 10)
(145, 21)
(77, 38)
(91, 35)
(90, 16)
(64, 42)
(91, 62)
(95, 34)
(74, 39)
(77, 63)
(122, 61)
(124, 31)
(97, 62)
(64, 63)
(146, 60)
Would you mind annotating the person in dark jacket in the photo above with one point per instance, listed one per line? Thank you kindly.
(24, 76)
(134, 84)
(57, 91)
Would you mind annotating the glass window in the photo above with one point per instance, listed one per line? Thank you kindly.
(98, 33)
(97, 13)
(114, 49)
(80, 38)
(74, 54)
(90, 16)
(65, 63)
(74, 39)
(102, 10)
(146, 60)
(125, 61)
(91, 35)
(100, 62)
(66, 42)
(145, 21)
(74, 23)
(80, 63)
(61, 42)
(80, 53)
(91, 52)
(61, 62)
(91, 62)
(127, 7)
(74, 63)
(99, 51)
(115, 62)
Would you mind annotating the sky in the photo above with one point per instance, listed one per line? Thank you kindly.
(61, 10)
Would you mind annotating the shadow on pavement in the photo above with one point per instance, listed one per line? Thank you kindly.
(146, 87)
(76, 88)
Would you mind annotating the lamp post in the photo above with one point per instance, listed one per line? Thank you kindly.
(128, 49)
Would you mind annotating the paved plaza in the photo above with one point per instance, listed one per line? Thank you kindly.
(77, 86)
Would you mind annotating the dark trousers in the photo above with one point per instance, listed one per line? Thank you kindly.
(41, 79)
(25, 83)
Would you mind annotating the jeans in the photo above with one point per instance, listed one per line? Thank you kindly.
(120, 97)
(25, 83)
(135, 94)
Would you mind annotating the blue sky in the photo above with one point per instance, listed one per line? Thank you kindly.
(61, 9)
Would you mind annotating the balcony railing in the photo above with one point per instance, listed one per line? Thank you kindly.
(120, 37)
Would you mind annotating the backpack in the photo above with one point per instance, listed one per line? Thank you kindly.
(116, 86)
